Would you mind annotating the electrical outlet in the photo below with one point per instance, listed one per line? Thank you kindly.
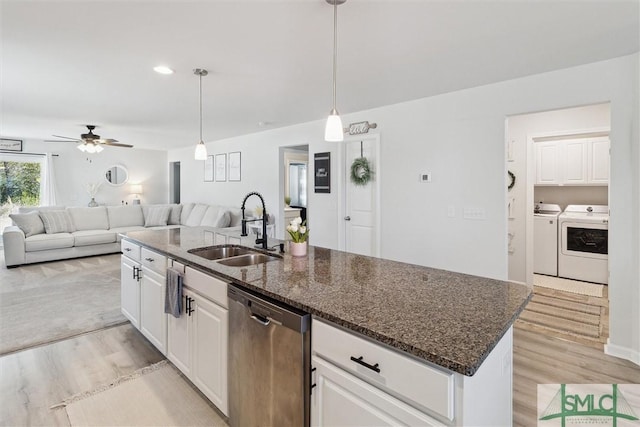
(425, 177)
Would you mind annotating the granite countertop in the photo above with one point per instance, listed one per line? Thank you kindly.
(453, 320)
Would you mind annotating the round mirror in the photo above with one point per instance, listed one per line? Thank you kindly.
(117, 175)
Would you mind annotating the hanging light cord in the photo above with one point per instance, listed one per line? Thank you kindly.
(335, 50)
(200, 106)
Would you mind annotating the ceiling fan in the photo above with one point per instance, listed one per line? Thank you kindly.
(91, 142)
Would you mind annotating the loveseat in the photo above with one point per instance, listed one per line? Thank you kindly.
(46, 234)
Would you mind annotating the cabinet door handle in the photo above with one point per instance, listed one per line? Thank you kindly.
(127, 249)
(136, 273)
(189, 307)
(312, 380)
(149, 259)
(347, 218)
(359, 361)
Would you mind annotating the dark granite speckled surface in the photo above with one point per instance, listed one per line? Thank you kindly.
(450, 319)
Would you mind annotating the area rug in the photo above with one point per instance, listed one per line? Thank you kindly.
(566, 285)
(47, 302)
(157, 395)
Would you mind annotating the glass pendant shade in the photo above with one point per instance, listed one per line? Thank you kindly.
(333, 131)
(201, 151)
(99, 148)
(82, 148)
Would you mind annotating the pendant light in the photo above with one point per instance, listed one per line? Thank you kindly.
(333, 131)
(201, 149)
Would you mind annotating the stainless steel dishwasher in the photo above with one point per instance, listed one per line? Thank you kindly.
(269, 362)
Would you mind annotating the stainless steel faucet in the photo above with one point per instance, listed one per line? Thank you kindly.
(265, 220)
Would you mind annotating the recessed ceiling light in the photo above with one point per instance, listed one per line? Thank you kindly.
(163, 69)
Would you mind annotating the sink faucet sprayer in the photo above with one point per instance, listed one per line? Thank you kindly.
(265, 220)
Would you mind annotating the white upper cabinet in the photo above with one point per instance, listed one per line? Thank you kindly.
(599, 161)
(582, 161)
(574, 161)
(547, 163)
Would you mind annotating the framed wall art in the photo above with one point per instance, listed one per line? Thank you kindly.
(322, 172)
(208, 169)
(235, 166)
(10, 144)
(221, 167)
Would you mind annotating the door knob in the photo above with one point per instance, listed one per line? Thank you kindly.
(347, 218)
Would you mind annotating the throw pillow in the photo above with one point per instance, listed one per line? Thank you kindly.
(29, 223)
(57, 222)
(223, 220)
(157, 216)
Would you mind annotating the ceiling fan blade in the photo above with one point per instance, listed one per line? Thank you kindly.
(58, 140)
(114, 144)
(66, 137)
(106, 140)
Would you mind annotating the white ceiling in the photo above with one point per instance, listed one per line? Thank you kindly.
(69, 63)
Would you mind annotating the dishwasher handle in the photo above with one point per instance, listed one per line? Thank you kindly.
(264, 321)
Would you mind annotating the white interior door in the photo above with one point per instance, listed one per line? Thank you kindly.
(361, 213)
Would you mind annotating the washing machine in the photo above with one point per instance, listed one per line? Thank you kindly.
(545, 238)
(583, 245)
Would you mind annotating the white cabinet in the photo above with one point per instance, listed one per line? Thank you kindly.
(582, 161)
(340, 398)
(547, 163)
(358, 382)
(130, 290)
(198, 340)
(574, 161)
(142, 290)
(599, 162)
(209, 348)
(153, 320)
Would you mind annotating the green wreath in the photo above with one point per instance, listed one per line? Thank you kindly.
(361, 172)
(512, 180)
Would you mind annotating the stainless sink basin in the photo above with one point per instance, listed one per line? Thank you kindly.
(247, 260)
(220, 252)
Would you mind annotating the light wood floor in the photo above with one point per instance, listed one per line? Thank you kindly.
(544, 359)
(33, 380)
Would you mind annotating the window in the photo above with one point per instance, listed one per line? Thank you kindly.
(21, 177)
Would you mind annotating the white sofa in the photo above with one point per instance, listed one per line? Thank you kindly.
(95, 231)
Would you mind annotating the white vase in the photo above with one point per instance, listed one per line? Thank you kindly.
(298, 249)
(93, 203)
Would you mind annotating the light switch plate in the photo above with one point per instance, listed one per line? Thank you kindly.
(474, 213)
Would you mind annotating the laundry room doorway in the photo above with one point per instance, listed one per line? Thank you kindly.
(558, 175)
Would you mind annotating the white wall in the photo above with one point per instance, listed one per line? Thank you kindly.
(460, 138)
(519, 128)
(572, 195)
(75, 169)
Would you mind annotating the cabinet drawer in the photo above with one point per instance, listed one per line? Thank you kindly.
(153, 260)
(131, 250)
(416, 383)
(207, 286)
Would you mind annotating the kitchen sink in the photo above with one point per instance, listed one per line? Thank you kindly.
(220, 252)
(247, 260)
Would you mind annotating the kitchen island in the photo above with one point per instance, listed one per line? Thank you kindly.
(447, 319)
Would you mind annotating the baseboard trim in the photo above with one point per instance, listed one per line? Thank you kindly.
(622, 352)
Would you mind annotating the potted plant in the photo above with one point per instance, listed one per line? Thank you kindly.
(299, 233)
